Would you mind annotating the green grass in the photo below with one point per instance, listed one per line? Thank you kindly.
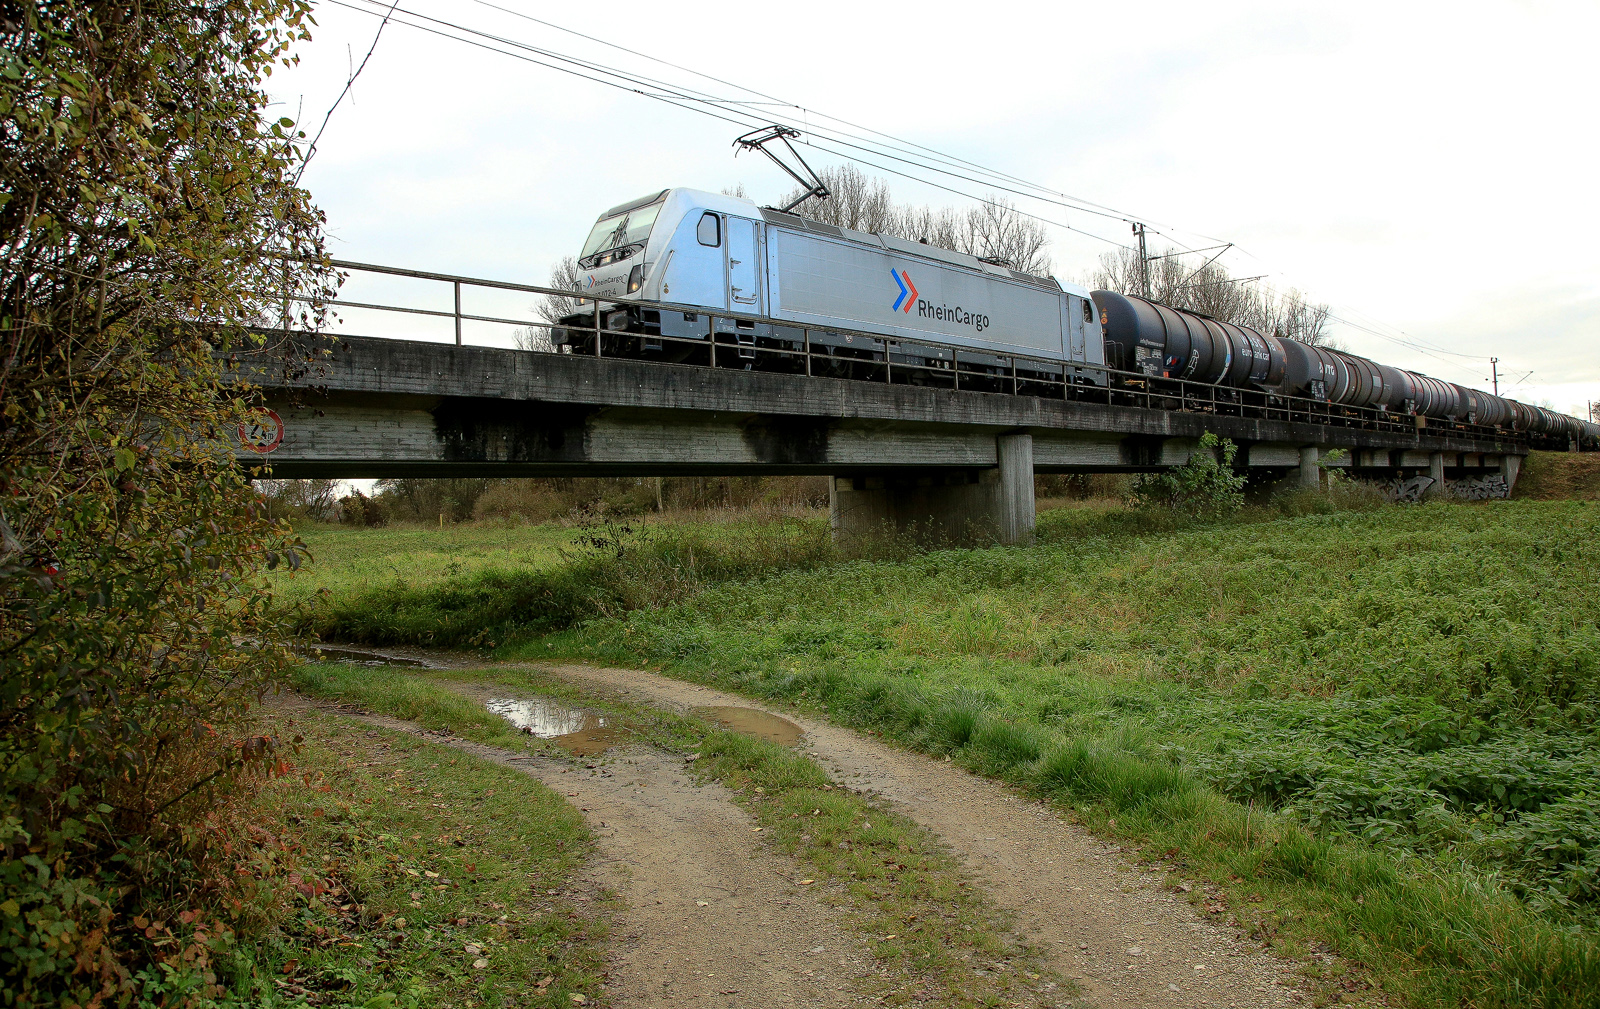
(348, 560)
(1385, 719)
(928, 929)
(608, 569)
(1380, 723)
(405, 853)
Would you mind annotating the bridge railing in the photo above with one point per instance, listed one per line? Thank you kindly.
(732, 340)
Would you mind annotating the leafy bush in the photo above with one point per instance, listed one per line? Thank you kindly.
(140, 190)
(1206, 485)
(316, 500)
(359, 510)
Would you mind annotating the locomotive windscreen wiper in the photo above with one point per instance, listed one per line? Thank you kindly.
(757, 140)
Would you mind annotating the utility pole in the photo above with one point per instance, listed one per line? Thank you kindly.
(1144, 261)
(1494, 364)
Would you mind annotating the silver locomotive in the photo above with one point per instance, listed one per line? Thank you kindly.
(795, 280)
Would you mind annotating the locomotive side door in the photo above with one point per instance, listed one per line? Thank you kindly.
(1078, 315)
(695, 271)
(744, 285)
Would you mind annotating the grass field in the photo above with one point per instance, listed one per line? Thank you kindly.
(349, 560)
(1386, 717)
(1560, 476)
(403, 901)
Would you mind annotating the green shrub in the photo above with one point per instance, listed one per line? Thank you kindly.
(1207, 485)
(613, 569)
(145, 197)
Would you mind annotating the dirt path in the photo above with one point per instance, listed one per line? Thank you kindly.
(1096, 917)
(710, 916)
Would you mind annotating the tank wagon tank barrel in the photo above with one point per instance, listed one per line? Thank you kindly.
(1157, 340)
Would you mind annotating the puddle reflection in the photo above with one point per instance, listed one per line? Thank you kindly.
(579, 732)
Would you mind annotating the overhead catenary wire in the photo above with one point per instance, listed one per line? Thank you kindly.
(747, 114)
(909, 144)
(1439, 354)
(626, 83)
(638, 84)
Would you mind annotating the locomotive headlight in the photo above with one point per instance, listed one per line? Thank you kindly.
(636, 278)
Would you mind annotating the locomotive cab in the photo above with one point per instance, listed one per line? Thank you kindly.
(681, 246)
(678, 245)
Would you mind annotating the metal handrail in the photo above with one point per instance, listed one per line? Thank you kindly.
(1135, 388)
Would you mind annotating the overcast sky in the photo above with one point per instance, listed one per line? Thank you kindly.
(1427, 169)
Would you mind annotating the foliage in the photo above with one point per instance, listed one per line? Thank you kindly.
(141, 198)
(1206, 485)
(299, 499)
(426, 500)
(359, 510)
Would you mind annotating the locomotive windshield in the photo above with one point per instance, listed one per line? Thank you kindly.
(618, 231)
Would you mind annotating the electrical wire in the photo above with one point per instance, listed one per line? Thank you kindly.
(691, 95)
(1404, 339)
(909, 144)
(673, 99)
(752, 114)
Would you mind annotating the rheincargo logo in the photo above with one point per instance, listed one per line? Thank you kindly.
(927, 310)
(908, 291)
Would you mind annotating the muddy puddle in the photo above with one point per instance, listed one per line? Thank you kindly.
(750, 722)
(579, 732)
(360, 656)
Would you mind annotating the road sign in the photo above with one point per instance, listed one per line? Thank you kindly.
(261, 430)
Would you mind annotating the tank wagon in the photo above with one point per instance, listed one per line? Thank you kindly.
(680, 269)
(1144, 337)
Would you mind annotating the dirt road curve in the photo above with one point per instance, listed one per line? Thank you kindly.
(711, 917)
(1100, 921)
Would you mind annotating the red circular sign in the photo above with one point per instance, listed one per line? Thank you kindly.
(261, 431)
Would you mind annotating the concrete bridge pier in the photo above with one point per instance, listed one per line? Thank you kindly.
(1510, 467)
(940, 507)
(1436, 470)
(1310, 472)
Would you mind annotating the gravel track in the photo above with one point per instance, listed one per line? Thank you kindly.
(1098, 919)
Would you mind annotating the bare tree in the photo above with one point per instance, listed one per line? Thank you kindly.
(855, 200)
(315, 499)
(1293, 317)
(553, 308)
(993, 231)
(1210, 290)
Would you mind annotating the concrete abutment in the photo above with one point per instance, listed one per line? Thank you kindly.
(1510, 467)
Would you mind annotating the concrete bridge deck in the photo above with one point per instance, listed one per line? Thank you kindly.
(375, 407)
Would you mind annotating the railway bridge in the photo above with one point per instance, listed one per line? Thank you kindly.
(932, 458)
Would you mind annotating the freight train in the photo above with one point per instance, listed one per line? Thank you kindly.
(682, 274)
